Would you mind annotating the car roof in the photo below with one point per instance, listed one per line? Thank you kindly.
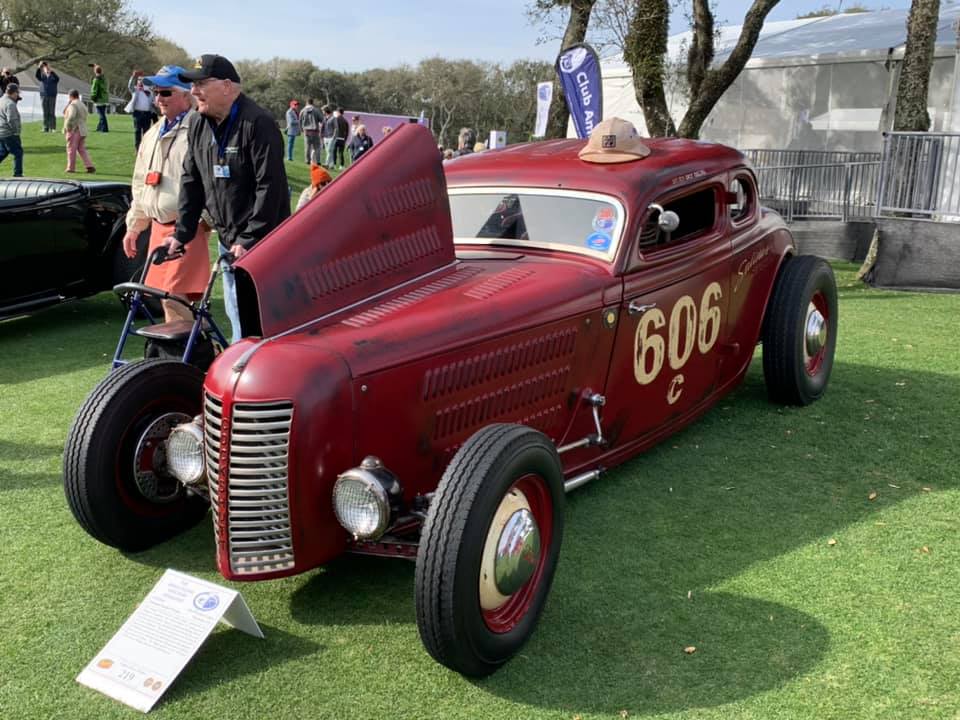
(554, 164)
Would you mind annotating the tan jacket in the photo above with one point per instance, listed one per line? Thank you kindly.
(75, 118)
(164, 154)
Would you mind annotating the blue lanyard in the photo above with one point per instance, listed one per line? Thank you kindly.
(222, 140)
(168, 126)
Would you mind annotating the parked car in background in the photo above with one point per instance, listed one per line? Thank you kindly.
(435, 355)
(60, 240)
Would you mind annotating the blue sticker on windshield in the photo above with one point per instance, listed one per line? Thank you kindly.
(599, 241)
(604, 220)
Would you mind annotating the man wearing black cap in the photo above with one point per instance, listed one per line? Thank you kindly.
(233, 169)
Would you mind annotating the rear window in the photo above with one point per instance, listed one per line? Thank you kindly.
(570, 221)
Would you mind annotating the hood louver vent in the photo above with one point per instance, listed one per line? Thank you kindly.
(490, 287)
(373, 315)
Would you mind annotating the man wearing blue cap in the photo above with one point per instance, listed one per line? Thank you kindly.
(234, 169)
(156, 192)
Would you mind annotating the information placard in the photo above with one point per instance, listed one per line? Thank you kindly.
(157, 641)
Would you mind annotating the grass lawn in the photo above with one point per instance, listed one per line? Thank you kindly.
(721, 538)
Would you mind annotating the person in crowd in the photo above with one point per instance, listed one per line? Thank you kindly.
(10, 128)
(465, 141)
(355, 122)
(343, 131)
(48, 82)
(156, 193)
(360, 143)
(233, 168)
(310, 122)
(293, 127)
(386, 130)
(140, 106)
(100, 97)
(448, 154)
(479, 147)
(329, 136)
(7, 77)
(75, 131)
(319, 178)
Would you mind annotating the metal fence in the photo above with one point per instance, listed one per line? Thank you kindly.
(919, 176)
(838, 190)
(791, 158)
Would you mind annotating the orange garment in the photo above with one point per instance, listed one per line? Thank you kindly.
(187, 276)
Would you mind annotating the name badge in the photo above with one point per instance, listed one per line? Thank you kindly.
(221, 171)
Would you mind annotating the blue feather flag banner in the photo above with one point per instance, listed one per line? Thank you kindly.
(579, 69)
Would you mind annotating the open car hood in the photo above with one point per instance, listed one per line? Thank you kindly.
(385, 221)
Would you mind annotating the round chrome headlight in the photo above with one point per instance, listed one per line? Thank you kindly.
(185, 453)
(361, 503)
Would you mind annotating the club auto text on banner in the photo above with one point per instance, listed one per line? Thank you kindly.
(579, 69)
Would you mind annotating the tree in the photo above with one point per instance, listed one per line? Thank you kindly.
(65, 30)
(645, 52)
(576, 32)
(911, 110)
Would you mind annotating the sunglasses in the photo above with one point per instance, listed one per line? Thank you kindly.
(164, 93)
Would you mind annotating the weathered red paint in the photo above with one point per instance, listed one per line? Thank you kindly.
(411, 359)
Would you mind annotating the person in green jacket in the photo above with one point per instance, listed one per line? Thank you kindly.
(100, 97)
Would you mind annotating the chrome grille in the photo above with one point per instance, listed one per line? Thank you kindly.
(258, 514)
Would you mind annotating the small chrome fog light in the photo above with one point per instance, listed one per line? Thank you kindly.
(364, 499)
(185, 453)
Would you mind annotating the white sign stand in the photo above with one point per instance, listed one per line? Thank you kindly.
(157, 641)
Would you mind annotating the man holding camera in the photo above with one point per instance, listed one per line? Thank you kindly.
(48, 82)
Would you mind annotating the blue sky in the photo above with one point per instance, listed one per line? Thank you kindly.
(373, 33)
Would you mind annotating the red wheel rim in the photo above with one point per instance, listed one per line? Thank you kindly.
(504, 618)
(814, 361)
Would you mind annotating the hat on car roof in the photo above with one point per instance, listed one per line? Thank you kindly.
(614, 141)
(167, 77)
(211, 66)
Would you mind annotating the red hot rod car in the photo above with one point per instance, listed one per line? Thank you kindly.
(434, 358)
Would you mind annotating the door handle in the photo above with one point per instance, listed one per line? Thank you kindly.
(634, 309)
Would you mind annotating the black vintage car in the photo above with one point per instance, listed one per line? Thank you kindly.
(61, 239)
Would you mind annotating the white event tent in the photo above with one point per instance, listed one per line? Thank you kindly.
(814, 84)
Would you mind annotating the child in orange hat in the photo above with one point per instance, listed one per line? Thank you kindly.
(319, 178)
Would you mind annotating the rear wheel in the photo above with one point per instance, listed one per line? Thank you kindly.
(800, 332)
(489, 548)
(114, 468)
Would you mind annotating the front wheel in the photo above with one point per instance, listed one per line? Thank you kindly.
(489, 548)
(114, 469)
(800, 331)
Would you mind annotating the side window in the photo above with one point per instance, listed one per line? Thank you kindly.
(697, 213)
(741, 199)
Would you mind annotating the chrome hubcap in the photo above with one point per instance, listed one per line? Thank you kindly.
(816, 331)
(150, 460)
(511, 551)
(517, 552)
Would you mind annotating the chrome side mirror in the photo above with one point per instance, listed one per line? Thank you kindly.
(668, 220)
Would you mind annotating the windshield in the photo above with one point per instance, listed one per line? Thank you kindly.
(578, 222)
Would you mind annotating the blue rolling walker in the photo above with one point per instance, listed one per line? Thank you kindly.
(196, 343)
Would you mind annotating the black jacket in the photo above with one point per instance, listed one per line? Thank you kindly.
(343, 128)
(255, 198)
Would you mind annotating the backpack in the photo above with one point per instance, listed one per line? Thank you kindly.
(309, 118)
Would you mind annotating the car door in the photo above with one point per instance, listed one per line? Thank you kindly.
(37, 234)
(671, 328)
